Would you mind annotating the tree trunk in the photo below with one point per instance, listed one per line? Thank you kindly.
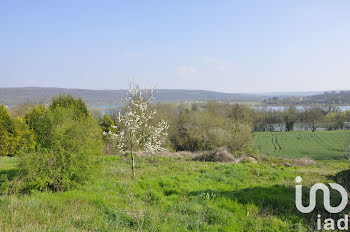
(132, 162)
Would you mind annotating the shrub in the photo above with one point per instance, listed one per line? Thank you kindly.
(39, 122)
(15, 135)
(68, 101)
(208, 129)
(33, 116)
(7, 132)
(66, 157)
(241, 139)
(107, 124)
(25, 137)
(108, 127)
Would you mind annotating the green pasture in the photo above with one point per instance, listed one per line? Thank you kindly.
(168, 194)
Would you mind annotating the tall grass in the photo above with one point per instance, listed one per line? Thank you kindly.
(168, 195)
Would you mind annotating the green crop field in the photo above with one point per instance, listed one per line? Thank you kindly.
(320, 145)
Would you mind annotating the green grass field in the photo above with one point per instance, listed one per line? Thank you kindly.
(320, 145)
(169, 195)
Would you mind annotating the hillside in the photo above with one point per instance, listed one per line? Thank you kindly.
(15, 96)
(333, 97)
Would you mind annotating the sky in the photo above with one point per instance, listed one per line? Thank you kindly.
(229, 46)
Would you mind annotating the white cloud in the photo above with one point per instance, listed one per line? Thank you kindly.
(186, 69)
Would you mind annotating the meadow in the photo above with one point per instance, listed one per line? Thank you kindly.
(54, 175)
(319, 145)
(169, 194)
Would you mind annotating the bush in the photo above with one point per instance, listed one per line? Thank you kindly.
(107, 124)
(21, 109)
(25, 137)
(39, 124)
(68, 101)
(33, 116)
(236, 138)
(7, 132)
(241, 139)
(15, 136)
(69, 145)
(210, 128)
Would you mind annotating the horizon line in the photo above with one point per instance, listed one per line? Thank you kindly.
(253, 93)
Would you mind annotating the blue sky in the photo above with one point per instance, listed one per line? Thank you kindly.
(230, 46)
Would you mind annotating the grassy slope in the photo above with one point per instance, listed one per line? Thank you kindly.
(320, 145)
(169, 195)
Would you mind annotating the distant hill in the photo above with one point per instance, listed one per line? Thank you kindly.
(95, 98)
(15, 96)
(290, 94)
(332, 97)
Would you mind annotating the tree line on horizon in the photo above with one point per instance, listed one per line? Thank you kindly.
(326, 98)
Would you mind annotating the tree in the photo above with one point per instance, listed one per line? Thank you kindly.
(32, 117)
(25, 138)
(39, 124)
(313, 116)
(107, 123)
(241, 113)
(114, 115)
(15, 135)
(7, 132)
(289, 117)
(21, 110)
(68, 101)
(335, 121)
(137, 127)
(108, 127)
(217, 125)
(42, 121)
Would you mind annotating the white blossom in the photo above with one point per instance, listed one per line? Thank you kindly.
(135, 130)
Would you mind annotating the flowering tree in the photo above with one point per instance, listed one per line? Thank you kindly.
(137, 130)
